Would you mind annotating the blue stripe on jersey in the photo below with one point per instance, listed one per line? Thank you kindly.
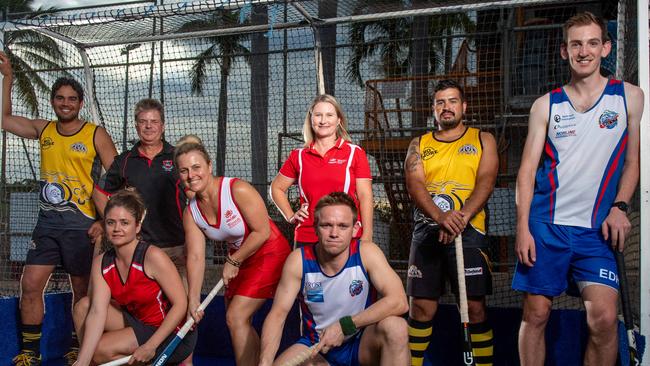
(546, 181)
(607, 191)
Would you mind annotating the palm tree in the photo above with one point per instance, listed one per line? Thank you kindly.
(29, 50)
(388, 41)
(396, 40)
(223, 50)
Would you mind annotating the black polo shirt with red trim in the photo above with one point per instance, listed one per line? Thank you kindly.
(158, 182)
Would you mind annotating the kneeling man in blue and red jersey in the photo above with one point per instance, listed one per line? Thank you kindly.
(338, 281)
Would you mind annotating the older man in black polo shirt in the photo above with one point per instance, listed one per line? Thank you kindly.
(149, 168)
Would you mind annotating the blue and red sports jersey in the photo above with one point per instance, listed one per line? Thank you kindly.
(582, 160)
(325, 299)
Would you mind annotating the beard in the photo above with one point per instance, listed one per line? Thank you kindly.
(63, 119)
(447, 124)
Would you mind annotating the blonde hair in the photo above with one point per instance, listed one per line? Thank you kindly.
(190, 143)
(341, 129)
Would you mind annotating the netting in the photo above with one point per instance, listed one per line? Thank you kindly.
(241, 74)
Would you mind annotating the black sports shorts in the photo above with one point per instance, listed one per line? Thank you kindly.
(143, 332)
(70, 248)
(432, 263)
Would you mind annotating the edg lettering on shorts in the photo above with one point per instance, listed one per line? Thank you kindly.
(608, 275)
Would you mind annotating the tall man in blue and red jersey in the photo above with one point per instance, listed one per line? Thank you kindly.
(573, 212)
(73, 152)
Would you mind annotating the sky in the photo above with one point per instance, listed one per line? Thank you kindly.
(62, 4)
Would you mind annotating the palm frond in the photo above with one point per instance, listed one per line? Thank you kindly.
(227, 46)
(37, 60)
(26, 92)
(198, 69)
(39, 42)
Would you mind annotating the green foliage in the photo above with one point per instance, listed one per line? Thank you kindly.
(222, 49)
(392, 39)
(29, 50)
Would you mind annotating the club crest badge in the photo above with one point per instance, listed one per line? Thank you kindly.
(167, 165)
(608, 120)
(356, 287)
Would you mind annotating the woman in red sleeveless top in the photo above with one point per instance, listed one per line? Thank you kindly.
(231, 210)
(137, 300)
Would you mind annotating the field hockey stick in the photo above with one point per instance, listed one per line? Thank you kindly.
(301, 357)
(468, 356)
(627, 308)
(167, 352)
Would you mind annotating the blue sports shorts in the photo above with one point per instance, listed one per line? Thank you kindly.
(343, 355)
(566, 256)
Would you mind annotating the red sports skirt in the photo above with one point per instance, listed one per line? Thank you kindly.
(260, 273)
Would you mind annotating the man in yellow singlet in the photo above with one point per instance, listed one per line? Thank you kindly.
(72, 155)
(450, 174)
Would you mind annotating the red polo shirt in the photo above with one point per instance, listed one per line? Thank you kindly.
(318, 175)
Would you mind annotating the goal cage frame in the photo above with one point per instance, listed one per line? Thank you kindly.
(56, 24)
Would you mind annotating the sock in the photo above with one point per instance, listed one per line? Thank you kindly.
(419, 336)
(31, 334)
(74, 345)
(482, 343)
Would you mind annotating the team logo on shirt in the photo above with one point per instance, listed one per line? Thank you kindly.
(608, 120)
(468, 149)
(55, 193)
(556, 118)
(428, 153)
(448, 197)
(167, 165)
(356, 287)
(231, 219)
(444, 202)
(314, 291)
(79, 147)
(337, 161)
(47, 143)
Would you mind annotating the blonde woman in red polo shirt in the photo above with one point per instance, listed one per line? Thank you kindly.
(328, 162)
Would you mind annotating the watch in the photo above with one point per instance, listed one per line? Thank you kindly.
(621, 205)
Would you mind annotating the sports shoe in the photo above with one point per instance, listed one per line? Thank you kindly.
(26, 358)
(71, 356)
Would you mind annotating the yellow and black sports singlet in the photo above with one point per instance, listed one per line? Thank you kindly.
(70, 167)
(450, 169)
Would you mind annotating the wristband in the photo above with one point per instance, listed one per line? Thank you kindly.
(347, 326)
(234, 262)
